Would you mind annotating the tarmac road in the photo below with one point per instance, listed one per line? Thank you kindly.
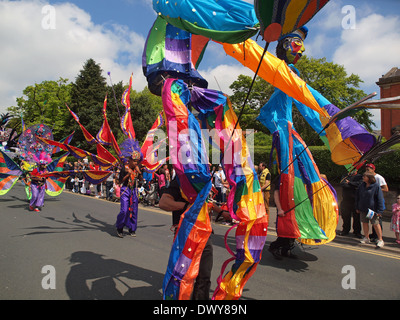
(74, 240)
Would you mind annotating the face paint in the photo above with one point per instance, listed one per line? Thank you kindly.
(294, 49)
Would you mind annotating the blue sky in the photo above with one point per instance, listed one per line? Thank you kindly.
(113, 34)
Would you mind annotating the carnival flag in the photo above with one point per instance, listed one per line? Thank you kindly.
(105, 135)
(89, 138)
(66, 140)
(126, 120)
(101, 151)
(150, 149)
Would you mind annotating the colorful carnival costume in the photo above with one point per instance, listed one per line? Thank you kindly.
(37, 154)
(38, 182)
(308, 201)
(174, 49)
(36, 146)
(128, 178)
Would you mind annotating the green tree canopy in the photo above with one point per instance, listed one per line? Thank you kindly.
(145, 107)
(44, 103)
(87, 97)
(259, 96)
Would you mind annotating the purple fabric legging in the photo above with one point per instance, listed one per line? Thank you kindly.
(128, 214)
(37, 199)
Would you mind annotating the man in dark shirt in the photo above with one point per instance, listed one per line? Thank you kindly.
(349, 184)
(172, 200)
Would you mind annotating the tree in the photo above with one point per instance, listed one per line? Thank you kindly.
(44, 103)
(115, 110)
(258, 96)
(87, 98)
(145, 107)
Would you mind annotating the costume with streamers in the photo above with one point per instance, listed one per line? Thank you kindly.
(36, 147)
(39, 171)
(187, 150)
(128, 214)
(38, 182)
(245, 200)
(165, 56)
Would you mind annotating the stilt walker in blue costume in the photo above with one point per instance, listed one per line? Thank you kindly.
(128, 179)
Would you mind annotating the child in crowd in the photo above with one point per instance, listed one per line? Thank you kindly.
(395, 224)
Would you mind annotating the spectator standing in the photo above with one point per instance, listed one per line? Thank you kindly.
(265, 183)
(109, 185)
(350, 183)
(369, 196)
(161, 181)
(68, 183)
(167, 175)
(219, 180)
(370, 168)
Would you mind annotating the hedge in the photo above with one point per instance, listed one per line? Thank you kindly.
(388, 165)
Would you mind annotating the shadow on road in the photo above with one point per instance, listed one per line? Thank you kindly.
(77, 225)
(93, 277)
(89, 223)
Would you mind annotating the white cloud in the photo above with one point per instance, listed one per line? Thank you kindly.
(31, 54)
(371, 49)
(222, 76)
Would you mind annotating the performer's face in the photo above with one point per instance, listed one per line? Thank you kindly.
(132, 163)
(294, 49)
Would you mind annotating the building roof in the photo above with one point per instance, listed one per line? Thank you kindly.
(392, 76)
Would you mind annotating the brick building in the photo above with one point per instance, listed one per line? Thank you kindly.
(390, 87)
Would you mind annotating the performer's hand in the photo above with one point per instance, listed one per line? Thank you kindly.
(281, 213)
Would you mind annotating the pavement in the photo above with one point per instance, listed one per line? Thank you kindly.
(388, 235)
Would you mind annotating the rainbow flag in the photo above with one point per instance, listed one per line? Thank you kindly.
(66, 140)
(101, 151)
(79, 153)
(9, 173)
(54, 185)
